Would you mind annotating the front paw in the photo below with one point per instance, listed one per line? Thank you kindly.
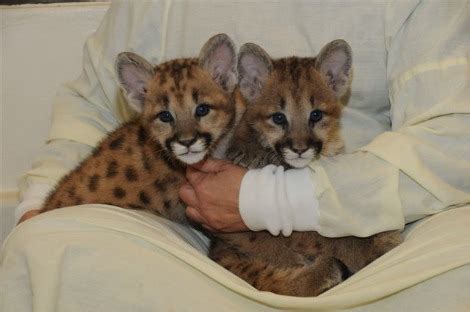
(386, 241)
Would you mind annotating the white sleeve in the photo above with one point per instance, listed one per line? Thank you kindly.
(279, 200)
(33, 198)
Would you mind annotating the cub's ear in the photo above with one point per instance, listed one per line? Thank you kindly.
(219, 57)
(335, 64)
(254, 67)
(134, 74)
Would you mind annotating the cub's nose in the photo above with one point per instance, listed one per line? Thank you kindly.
(299, 151)
(187, 142)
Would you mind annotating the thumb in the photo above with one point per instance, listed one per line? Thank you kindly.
(211, 165)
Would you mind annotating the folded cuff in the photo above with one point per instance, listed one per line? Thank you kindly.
(33, 198)
(279, 200)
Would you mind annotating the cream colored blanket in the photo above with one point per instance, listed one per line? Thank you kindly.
(103, 258)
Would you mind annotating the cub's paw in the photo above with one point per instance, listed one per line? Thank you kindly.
(386, 241)
(326, 273)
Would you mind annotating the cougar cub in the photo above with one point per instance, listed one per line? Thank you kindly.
(292, 117)
(185, 109)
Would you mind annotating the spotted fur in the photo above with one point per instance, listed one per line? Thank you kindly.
(305, 263)
(141, 165)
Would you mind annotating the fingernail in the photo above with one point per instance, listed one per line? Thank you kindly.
(185, 185)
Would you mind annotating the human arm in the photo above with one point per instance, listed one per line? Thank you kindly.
(421, 166)
(216, 189)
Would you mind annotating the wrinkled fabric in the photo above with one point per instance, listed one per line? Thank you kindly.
(421, 166)
(278, 200)
(104, 258)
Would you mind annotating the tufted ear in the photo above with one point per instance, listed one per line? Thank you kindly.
(219, 58)
(134, 74)
(254, 67)
(335, 64)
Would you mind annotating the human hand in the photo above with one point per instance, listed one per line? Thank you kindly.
(28, 215)
(211, 195)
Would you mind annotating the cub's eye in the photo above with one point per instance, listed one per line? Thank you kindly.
(279, 119)
(165, 116)
(316, 115)
(202, 110)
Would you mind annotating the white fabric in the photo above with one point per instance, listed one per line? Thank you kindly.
(422, 166)
(32, 199)
(102, 258)
(278, 200)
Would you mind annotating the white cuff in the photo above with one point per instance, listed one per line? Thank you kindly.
(279, 200)
(33, 198)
